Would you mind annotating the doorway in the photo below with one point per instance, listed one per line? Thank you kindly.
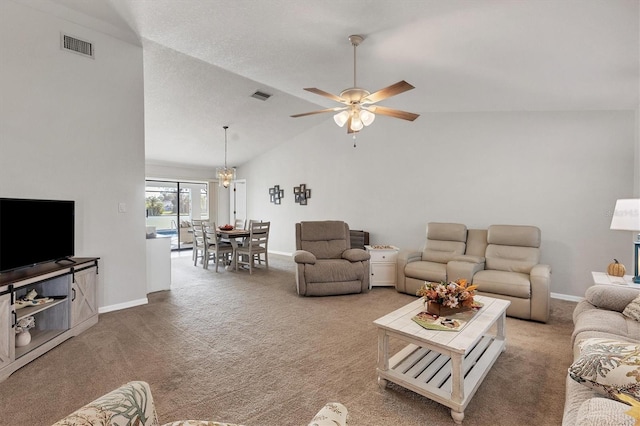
(238, 201)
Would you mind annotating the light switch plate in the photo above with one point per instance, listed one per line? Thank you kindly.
(122, 207)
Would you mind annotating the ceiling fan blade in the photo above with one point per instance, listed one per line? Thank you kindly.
(317, 112)
(377, 109)
(325, 94)
(387, 92)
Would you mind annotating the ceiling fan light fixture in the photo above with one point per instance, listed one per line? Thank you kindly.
(367, 117)
(341, 118)
(225, 174)
(358, 108)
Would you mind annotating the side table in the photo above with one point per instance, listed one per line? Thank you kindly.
(606, 279)
(382, 265)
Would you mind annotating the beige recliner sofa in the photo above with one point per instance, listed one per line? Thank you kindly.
(513, 272)
(502, 260)
(451, 252)
(325, 262)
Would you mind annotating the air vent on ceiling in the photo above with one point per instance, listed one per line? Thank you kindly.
(75, 45)
(261, 95)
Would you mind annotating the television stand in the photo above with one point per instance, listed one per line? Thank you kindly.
(71, 307)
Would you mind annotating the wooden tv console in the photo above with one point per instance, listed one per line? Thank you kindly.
(73, 288)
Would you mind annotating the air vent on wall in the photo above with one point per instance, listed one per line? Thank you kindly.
(261, 95)
(75, 45)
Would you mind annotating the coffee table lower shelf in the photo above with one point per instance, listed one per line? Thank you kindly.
(431, 373)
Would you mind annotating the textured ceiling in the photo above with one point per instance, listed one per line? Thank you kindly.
(204, 58)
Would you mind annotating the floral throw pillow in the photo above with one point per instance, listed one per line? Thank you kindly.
(633, 309)
(608, 366)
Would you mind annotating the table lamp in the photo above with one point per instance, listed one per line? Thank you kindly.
(626, 217)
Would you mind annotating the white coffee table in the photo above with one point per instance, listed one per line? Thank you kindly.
(445, 366)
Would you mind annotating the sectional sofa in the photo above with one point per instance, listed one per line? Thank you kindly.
(590, 398)
(503, 260)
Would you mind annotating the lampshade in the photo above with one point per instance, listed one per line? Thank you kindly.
(367, 117)
(341, 118)
(626, 215)
(356, 122)
(225, 174)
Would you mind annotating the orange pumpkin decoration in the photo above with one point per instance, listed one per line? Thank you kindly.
(616, 269)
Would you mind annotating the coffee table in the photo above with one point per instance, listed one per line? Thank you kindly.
(445, 366)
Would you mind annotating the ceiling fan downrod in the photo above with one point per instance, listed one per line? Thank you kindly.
(355, 42)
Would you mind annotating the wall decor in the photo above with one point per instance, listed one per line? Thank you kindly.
(301, 194)
(276, 194)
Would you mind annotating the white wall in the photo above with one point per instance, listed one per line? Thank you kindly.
(560, 171)
(73, 128)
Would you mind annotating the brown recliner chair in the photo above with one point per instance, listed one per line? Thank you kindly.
(326, 263)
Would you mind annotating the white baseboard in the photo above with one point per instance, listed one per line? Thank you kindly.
(124, 305)
(568, 297)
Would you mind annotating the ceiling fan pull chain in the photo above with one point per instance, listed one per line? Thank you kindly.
(354, 140)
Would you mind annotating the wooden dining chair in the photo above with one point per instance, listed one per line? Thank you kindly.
(198, 244)
(239, 224)
(255, 245)
(215, 249)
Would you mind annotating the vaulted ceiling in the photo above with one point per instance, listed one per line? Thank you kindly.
(204, 58)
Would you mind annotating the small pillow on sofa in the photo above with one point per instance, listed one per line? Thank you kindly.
(608, 366)
(633, 309)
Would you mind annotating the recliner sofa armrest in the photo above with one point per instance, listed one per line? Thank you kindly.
(404, 257)
(610, 297)
(540, 277)
(464, 268)
(355, 255)
(469, 258)
(303, 256)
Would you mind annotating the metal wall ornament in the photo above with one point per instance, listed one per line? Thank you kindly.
(276, 194)
(301, 194)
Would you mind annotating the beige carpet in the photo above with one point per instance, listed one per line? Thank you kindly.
(247, 349)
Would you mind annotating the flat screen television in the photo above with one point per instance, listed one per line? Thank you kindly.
(35, 231)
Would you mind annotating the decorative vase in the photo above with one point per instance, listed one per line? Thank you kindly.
(23, 338)
(436, 308)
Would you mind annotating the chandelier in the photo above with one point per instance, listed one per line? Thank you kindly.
(225, 174)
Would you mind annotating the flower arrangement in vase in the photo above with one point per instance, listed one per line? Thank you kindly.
(445, 298)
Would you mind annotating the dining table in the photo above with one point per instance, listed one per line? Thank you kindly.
(234, 236)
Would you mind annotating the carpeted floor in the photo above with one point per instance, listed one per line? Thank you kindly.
(246, 349)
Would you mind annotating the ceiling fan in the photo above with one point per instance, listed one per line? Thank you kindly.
(359, 109)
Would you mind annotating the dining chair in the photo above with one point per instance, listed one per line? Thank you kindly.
(256, 244)
(195, 223)
(244, 241)
(239, 224)
(198, 244)
(215, 249)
